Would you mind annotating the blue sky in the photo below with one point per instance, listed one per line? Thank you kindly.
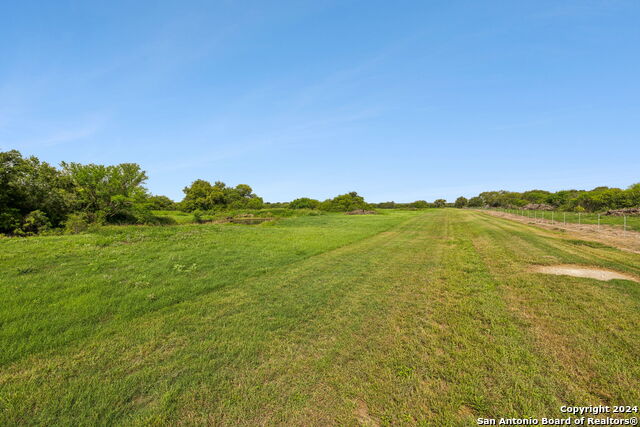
(398, 100)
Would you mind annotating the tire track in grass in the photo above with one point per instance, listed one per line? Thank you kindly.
(587, 330)
(495, 370)
(561, 241)
(429, 356)
(418, 325)
(563, 252)
(128, 282)
(248, 316)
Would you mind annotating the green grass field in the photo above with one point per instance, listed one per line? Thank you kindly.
(179, 217)
(416, 317)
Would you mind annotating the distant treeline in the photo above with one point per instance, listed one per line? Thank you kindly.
(596, 200)
(418, 204)
(36, 197)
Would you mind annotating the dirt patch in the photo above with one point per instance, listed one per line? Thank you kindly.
(623, 212)
(626, 240)
(538, 207)
(466, 412)
(362, 412)
(581, 271)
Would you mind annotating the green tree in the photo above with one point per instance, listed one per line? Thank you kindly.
(439, 203)
(345, 203)
(304, 203)
(461, 202)
(475, 202)
(201, 195)
(28, 185)
(242, 197)
(633, 194)
(198, 196)
(115, 193)
(537, 196)
(161, 203)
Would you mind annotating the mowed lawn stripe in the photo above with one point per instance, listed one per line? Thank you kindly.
(541, 246)
(588, 330)
(221, 311)
(59, 290)
(436, 321)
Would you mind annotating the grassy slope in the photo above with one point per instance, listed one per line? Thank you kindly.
(401, 318)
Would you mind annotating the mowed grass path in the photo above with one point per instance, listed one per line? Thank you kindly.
(429, 318)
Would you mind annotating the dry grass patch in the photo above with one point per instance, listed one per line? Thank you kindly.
(582, 271)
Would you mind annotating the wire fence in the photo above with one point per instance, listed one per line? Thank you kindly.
(598, 221)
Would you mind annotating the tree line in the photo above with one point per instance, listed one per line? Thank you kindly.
(36, 196)
(418, 204)
(597, 200)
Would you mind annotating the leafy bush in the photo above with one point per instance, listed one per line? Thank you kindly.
(304, 203)
(76, 223)
(420, 204)
(28, 185)
(160, 203)
(475, 202)
(461, 202)
(345, 203)
(10, 220)
(197, 216)
(36, 222)
(204, 196)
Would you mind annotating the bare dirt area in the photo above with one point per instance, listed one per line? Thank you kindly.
(625, 240)
(582, 271)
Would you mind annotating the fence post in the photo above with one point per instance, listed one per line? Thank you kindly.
(564, 218)
(598, 221)
(625, 224)
(579, 219)
(551, 217)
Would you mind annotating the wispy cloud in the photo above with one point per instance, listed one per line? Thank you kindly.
(55, 134)
(235, 148)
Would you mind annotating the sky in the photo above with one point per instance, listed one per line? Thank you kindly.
(403, 101)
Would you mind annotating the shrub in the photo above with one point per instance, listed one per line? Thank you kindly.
(197, 216)
(35, 222)
(475, 202)
(162, 203)
(461, 202)
(76, 223)
(304, 203)
(143, 215)
(345, 203)
(420, 204)
(255, 203)
(10, 220)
